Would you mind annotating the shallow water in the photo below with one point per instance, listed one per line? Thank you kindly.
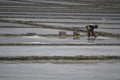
(109, 30)
(58, 40)
(65, 20)
(30, 30)
(30, 71)
(58, 2)
(2, 24)
(58, 50)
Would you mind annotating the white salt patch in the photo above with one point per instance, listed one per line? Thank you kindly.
(103, 38)
(34, 43)
(33, 37)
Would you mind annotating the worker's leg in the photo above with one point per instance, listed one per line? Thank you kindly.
(88, 33)
(88, 30)
(93, 34)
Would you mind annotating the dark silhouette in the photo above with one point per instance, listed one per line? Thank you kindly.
(90, 30)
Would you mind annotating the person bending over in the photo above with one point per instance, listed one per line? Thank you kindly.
(90, 30)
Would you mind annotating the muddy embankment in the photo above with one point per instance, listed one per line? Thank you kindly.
(79, 57)
(60, 59)
(57, 44)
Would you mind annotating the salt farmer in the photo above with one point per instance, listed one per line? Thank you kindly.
(90, 29)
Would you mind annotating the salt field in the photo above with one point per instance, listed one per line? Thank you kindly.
(60, 71)
(58, 40)
(30, 28)
(58, 50)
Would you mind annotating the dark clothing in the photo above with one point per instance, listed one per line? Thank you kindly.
(90, 29)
